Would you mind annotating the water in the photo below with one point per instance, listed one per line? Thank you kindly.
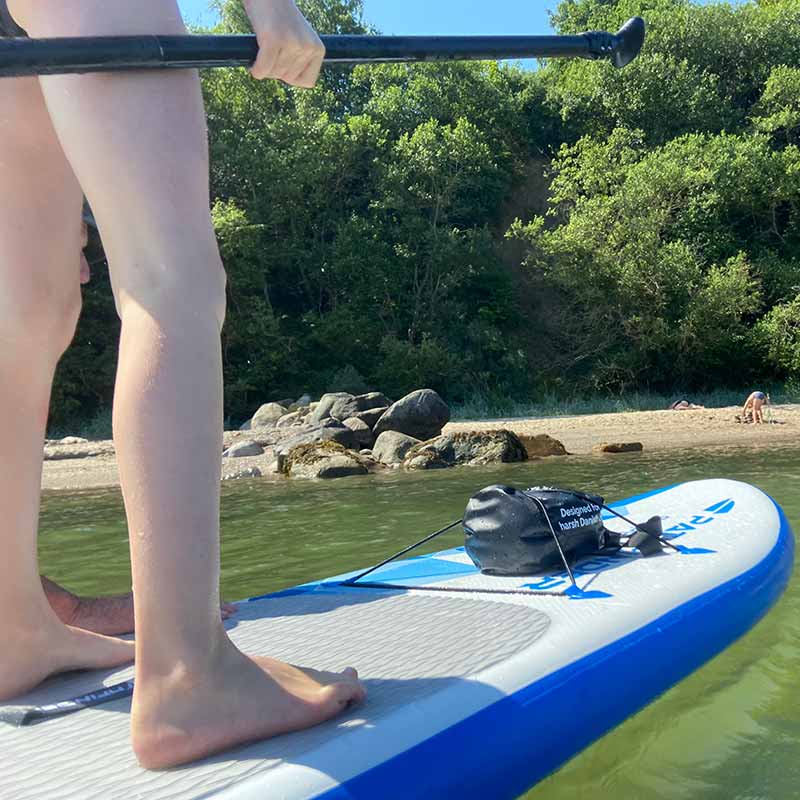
(729, 732)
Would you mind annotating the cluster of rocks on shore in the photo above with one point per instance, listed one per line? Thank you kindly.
(345, 434)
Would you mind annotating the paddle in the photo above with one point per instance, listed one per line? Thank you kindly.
(19, 716)
(20, 57)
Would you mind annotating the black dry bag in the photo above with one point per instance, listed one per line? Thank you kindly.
(512, 531)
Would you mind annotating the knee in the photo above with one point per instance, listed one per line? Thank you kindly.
(176, 297)
(39, 313)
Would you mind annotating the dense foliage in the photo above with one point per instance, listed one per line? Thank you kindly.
(485, 229)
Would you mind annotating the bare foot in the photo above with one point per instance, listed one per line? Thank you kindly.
(112, 616)
(186, 716)
(35, 652)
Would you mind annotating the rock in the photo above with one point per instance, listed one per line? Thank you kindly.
(436, 453)
(371, 400)
(364, 436)
(365, 452)
(421, 414)
(251, 472)
(246, 426)
(391, 447)
(267, 415)
(302, 402)
(371, 416)
(332, 423)
(266, 437)
(341, 467)
(73, 440)
(344, 408)
(618, 447)
(244, 449)
(322, 460)
(322, 410)
(289, 419)
(542, 445)
(466, 447)
(332, 431)
(426, 459)
(66, 452)
(487, 447)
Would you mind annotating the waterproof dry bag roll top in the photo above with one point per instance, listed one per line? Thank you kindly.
(512, 531)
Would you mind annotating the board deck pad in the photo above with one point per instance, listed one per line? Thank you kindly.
(406, 648)
(461, 668)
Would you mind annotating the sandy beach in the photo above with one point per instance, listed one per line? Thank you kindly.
(93, 465)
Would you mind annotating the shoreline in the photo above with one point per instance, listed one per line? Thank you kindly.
(93, 465)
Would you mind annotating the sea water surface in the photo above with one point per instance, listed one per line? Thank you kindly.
(731, 731)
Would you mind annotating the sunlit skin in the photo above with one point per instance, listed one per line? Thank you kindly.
(113, 615)
(135, 144)
(755, 404)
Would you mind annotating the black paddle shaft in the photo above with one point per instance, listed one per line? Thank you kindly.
(19, 57)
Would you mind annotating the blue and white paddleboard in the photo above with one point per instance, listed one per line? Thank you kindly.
(473, 693)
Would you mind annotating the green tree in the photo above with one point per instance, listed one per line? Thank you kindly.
(703, 68)
(778, 334)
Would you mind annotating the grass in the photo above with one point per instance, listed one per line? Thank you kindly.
(547, 405)
(551, 405)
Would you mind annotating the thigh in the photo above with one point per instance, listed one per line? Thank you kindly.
(40, 211)
(137, 142)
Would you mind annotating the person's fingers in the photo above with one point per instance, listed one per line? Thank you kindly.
(292, 60)
(289, 48)
(297, 63)
(307, 77)
(294, 63)
(227, 610)
(269, 53)
(86, 272)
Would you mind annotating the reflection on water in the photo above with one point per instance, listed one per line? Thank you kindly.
(732, 730)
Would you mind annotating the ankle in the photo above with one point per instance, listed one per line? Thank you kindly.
(186, 661)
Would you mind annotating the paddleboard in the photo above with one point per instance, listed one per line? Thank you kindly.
(478, 686)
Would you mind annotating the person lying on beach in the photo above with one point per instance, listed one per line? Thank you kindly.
(135, 144)
(753, 407)
(683, 405)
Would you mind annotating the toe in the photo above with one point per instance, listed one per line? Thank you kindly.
(338, 696)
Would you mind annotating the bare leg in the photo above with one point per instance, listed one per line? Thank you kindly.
(112, 615)
(137, 144)
(39, 306)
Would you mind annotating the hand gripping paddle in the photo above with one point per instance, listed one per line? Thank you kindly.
(20, 57)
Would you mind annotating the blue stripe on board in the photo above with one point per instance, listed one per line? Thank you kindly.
(505, 749)
(426, 567)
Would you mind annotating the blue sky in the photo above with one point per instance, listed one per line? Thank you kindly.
(457, 17)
